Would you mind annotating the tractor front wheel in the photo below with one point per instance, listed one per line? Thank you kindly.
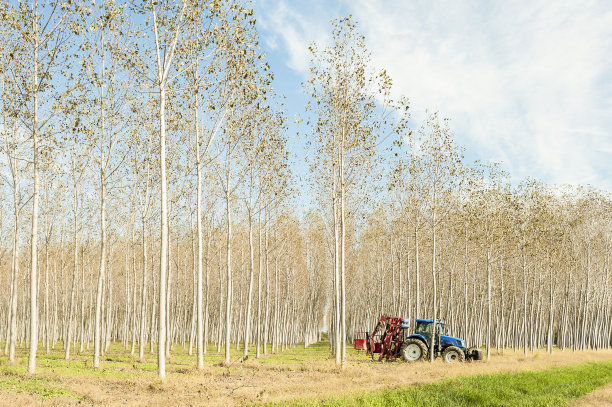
(453, 354)
(413, 350)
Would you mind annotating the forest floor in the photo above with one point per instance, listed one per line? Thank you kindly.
(295, 373)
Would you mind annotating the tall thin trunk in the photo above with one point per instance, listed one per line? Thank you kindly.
(74, 272)
(259, 270)
(465, 286)
(35, 198)
(551, 308)
(163, 258)
(488, 265)
(164, 61)
(342, 258)
(46, 299)
(143, 293)
(200, 322)
(417, 272)
(336, 319)
(524, 330)
(432, 344)
(101, 274)
(228, 299)
(82, 308)
(247, 330)
(267, 303)
(14, 274)
(207, 285)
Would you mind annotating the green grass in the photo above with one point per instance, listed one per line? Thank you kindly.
(55, 377)
(551, 387)
(36, 385)
(117, 363)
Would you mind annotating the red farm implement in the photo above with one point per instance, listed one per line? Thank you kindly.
(386, 339)
(360, 340)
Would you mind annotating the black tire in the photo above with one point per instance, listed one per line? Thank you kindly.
(413, 350)
(453, 354)
(478, 354)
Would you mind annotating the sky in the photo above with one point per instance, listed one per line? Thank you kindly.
(527, 83)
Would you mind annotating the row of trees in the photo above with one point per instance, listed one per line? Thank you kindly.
(146, 176)
(519, 266)
(115, 103)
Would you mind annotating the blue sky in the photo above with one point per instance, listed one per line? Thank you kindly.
(528, 83)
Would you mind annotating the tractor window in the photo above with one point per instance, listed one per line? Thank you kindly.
(424, 328)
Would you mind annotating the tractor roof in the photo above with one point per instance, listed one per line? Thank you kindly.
(429, 321)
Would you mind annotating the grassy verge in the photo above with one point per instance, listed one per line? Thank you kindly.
(35, 385)
(551, 387)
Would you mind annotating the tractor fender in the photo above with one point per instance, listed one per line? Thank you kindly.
(451, 341)
(420, 337)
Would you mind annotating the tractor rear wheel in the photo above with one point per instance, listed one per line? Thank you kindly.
(413, 350)
(453, 354)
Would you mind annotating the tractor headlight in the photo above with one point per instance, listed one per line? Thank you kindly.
(460, 343)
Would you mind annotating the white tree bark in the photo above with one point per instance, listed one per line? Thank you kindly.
(35, 198)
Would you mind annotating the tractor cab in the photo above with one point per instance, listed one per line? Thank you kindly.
(424, 328)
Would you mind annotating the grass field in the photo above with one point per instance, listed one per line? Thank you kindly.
(305, 377)
(550, 387)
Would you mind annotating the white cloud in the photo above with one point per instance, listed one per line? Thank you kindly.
(525, 82)
(293, 29)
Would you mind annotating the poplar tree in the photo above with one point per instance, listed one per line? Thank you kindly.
(439, 162)
(346, 125)
(167, 22)
(44, 28)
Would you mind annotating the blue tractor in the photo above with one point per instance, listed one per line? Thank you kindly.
(391, 340)
(416, 346)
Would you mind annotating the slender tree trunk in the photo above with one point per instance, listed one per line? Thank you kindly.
(143, 293)
(465, 287)
(163, 260)
(14, 282)
(205, 340)
(432, 346)
(228, 299)
(74, 274)
(551, 308)
(417, 273)
(342, 259)
(488, 265)
(46, 299)
(35, 197)
(524, 304)
(101, 274)
(200, 322)
(102, 271)
(259, 292)
(336, 319)
(82, 307)
(247, 330)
